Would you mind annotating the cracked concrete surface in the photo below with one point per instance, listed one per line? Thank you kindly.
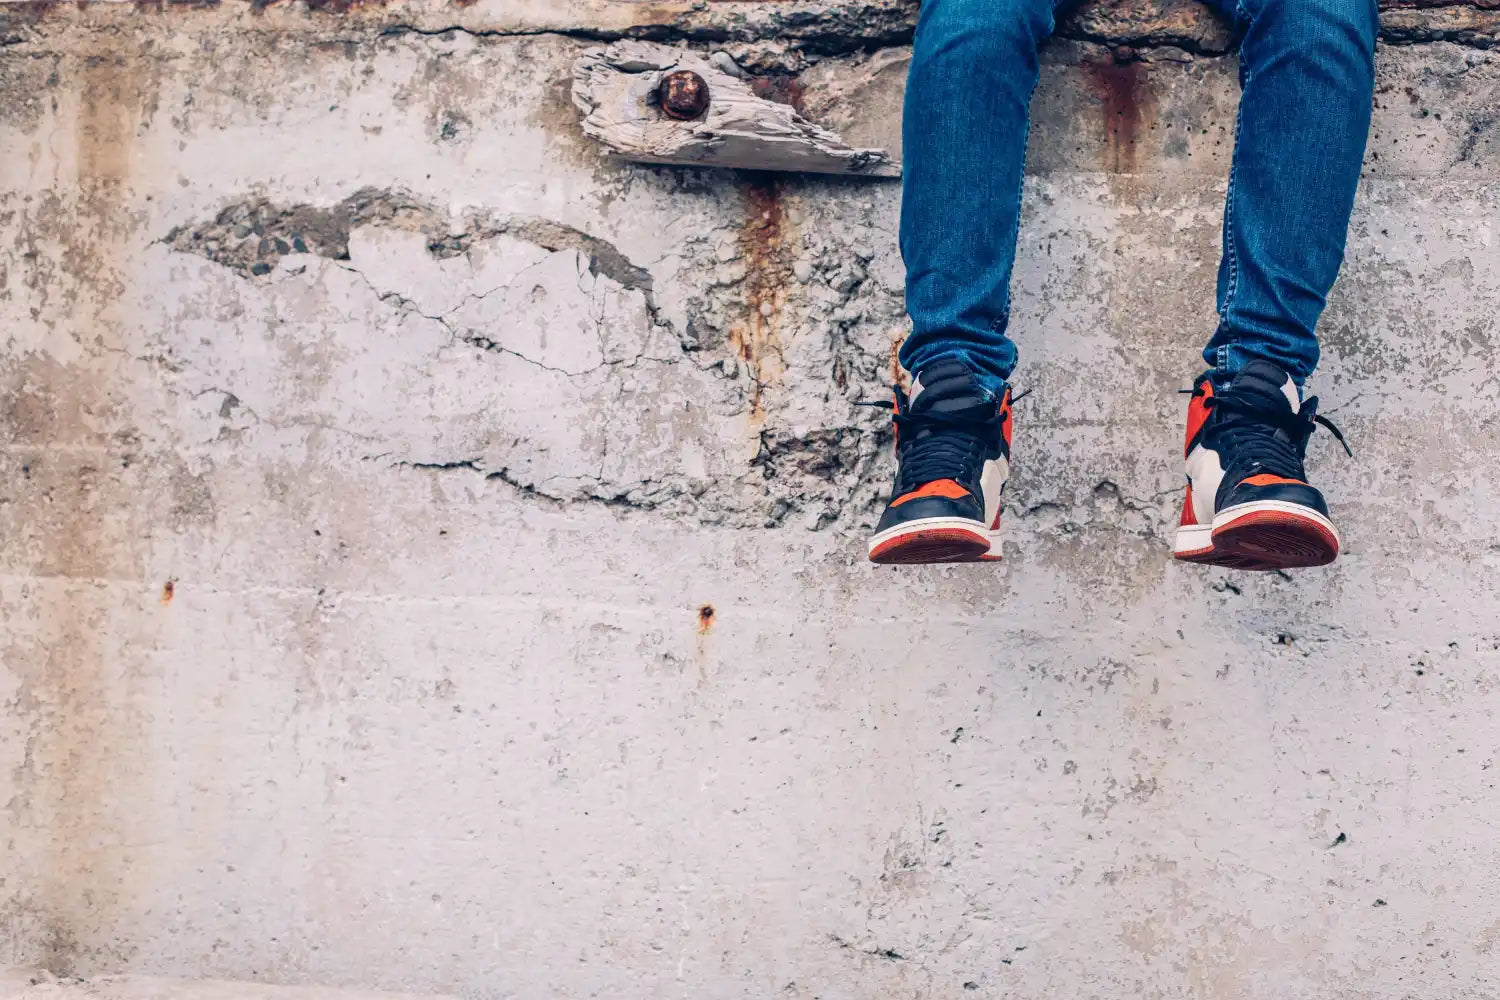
(433, 551)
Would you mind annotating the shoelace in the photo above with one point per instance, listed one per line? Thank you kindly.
(951, 447)
(1250, 428)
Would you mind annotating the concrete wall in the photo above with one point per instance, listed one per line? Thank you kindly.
(433, 555)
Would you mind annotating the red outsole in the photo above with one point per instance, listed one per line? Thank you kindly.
(1270, 540)
(939, 545)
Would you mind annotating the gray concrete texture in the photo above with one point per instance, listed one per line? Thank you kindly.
(433, 553)
(38, 984)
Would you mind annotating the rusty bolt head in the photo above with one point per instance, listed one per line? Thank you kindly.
(684, 95)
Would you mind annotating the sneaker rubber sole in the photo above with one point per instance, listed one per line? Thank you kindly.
(1264, 535)
(935, 540)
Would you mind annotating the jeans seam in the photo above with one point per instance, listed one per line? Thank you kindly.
(1230, 252)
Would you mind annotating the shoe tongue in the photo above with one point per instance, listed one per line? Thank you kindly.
(949, 388)
(1268, 385)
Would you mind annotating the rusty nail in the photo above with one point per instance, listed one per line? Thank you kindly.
(683, 94)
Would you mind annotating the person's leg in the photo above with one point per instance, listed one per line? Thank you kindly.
(1307, 69)
(974, 67)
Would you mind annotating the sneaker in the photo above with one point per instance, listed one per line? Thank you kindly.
(953, 449)
(1249, 505)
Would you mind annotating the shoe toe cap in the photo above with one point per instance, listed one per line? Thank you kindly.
(922, 508)
(1297, 493)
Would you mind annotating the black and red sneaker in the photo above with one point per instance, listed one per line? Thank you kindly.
(953, 449)
(1249, 505)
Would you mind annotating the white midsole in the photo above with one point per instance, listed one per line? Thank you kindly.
(1193, 538)
(1196, 537)
(931, 523)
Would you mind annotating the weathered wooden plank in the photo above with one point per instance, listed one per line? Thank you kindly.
(619, 89)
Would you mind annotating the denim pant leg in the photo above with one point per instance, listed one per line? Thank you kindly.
(1307, 69)
(974, 67)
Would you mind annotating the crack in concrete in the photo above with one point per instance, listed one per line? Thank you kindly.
(815, 30)
(889, 954)
(485, 344)
(403, 304)
(836, 33)
(533, 491)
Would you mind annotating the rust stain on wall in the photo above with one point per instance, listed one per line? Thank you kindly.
(783, 88)
(898, 374)
(763, 239)
(1124, 99)
(64, 703)
(76, 693)
(107, 118)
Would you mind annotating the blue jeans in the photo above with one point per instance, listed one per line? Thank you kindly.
(1307, 71)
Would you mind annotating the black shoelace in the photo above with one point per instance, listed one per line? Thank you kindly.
(1273, 440)
(937, 446)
